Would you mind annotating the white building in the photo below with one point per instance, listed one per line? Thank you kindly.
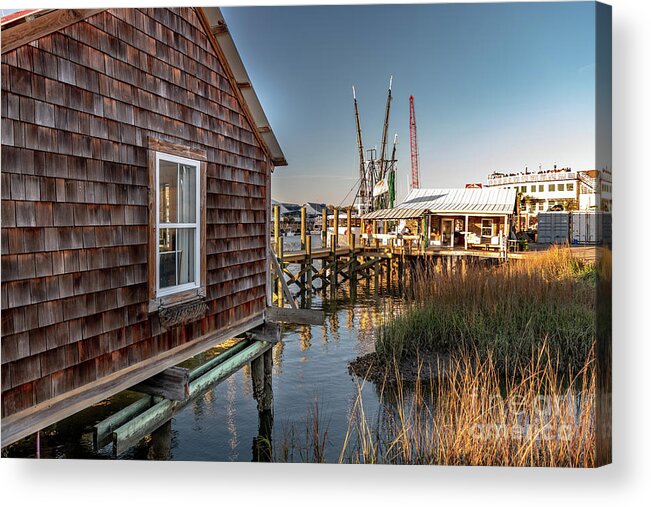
(557, 189)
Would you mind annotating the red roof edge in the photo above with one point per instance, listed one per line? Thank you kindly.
(15, 16)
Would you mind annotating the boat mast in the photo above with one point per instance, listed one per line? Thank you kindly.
(363, 192)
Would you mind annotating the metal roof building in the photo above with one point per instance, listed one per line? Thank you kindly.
(450, 201)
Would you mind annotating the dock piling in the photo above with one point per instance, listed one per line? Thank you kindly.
(279, 288)
(334, 243)
(309, 269)
(276, 219)
(303, 288)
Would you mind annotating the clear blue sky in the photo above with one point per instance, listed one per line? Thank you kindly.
(496, 87)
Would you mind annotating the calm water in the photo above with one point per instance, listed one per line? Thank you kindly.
(310, 371)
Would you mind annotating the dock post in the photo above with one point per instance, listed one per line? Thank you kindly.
(349, 228)
(352, 269)
(390, 263)
(334, 243)
(377, 265)
(324, 228)
(335, 229)
(276, 236)
(279, 288)
(308, 266)
(303, 236)
(160, 447)
(261, 378)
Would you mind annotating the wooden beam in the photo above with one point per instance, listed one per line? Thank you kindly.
(172, 384)
(281, 278)
(37, 417)
(268, 332)
(24, 33)
(179, 150)
(295, 315)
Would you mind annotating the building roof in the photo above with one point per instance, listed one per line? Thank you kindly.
(19, 15)
(395, 214)
(317, 207)
(290, 207)
(467, 201)
(241, 77)
(22, 27)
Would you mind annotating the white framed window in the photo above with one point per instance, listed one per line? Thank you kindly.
(487, 227)
(178, 223)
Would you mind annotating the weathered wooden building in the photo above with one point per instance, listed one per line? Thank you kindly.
(136, 167)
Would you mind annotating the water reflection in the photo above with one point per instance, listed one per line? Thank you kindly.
(223, 424)
(231, 418)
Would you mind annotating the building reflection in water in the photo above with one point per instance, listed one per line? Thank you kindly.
(231, 394)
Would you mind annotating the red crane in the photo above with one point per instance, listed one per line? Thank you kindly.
(415, 172)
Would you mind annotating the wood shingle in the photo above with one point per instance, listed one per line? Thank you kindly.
(79, 107)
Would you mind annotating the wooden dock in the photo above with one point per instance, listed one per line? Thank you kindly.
(352, 259)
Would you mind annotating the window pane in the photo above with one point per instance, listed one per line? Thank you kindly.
(187, 194)
(186, 254)
(167, 258)
(167, 187)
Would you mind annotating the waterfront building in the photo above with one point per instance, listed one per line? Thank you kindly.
(451, 218)
(136, 185)
(556, 190)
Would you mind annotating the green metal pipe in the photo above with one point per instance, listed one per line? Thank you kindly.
(102, 431)
(209, 365)
(136, 429)
(228, 367)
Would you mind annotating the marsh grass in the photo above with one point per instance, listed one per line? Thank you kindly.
(476, 416)
(307, 445)
(504, 311)
(519, 387)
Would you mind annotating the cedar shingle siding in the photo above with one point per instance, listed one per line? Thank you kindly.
(78, 106)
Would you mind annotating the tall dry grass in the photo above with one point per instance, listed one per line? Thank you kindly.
(519, 389)
(476, 416)
(504, 311)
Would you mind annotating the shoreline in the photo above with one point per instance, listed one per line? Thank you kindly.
(428, 367)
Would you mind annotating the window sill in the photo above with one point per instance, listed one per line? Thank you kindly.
(195, 294)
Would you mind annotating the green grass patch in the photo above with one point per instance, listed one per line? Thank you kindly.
(505, 311)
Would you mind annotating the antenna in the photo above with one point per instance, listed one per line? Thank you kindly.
(413, 141)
